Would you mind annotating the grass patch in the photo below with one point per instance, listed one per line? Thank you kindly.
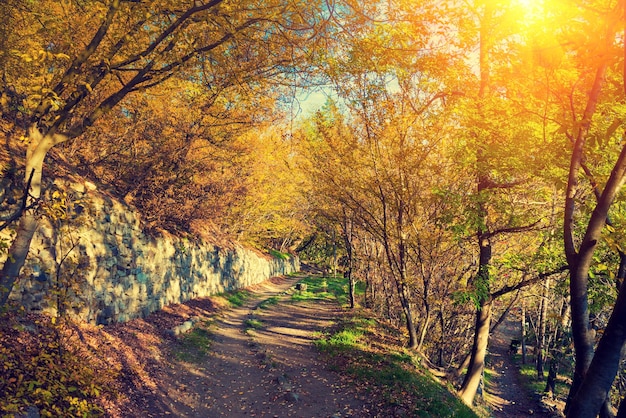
(371, 354)
(529, 377)
(269, 302)
(279, 255)
(323, 288)
(340, 341)
(488, 376)
(194, 346)
(253, 323)
(237, 298)
(532, 383)
(346, 336)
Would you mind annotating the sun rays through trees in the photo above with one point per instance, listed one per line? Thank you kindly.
(470, 162)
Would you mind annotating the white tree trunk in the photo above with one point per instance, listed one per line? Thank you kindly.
(38, 148)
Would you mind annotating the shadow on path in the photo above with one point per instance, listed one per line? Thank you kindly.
(270, 371)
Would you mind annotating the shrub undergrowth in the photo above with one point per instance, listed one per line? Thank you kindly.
(358, 347)
(44, 366)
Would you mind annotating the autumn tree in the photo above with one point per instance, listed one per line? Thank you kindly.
(500, 182)
(594, 373)
(84, 58)
(274, 210)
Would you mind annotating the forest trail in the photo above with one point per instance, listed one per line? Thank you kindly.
(261, 363)
(505, 392)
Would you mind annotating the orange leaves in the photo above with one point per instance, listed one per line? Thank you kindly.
(41, 367)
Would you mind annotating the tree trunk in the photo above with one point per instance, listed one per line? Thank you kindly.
(463, 365)
(523, 325)
(408, 315)
(579, 271)
(621, 271)
(583, 341)
(369, 285)
(387, 299)
(442, 325)
(553, 372)
(560, 343)
(334, 261)
(481, 285)
(579, 260)
(595, 387)
(17, 254)
(351, 288)
(606, 411)
(18, 251)
(541, 340)
(621, 413)
(347, 230)
(479, 352)
(424, 328)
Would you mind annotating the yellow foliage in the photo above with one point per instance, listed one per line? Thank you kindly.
(41, 367)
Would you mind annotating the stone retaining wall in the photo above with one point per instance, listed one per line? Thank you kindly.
(111, 271)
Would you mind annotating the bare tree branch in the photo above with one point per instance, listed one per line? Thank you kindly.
(8, 219)
(528, 282)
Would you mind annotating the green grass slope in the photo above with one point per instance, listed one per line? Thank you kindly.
(371, 354)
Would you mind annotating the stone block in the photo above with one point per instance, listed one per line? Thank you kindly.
(134, 292)
(182, 328)
(105, 316)
(142, 277)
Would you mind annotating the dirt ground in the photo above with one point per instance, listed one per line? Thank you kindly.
(506, 394)
(269, 370)
(263, 363)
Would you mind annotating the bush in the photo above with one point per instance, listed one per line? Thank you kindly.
(41, 368)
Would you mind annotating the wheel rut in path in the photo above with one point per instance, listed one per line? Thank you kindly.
(270, 370)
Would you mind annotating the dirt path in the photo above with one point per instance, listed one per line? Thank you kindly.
(270, 371)
(505, 393)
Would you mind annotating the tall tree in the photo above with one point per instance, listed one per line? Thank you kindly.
(498, 173)
(580, 251)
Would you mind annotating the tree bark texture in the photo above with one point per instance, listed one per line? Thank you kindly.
(38, 148)
(479, 352)
(579, 271)
(579, 260)
(599, 378)
(541, 338)
(407, 308)
(523, 326)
